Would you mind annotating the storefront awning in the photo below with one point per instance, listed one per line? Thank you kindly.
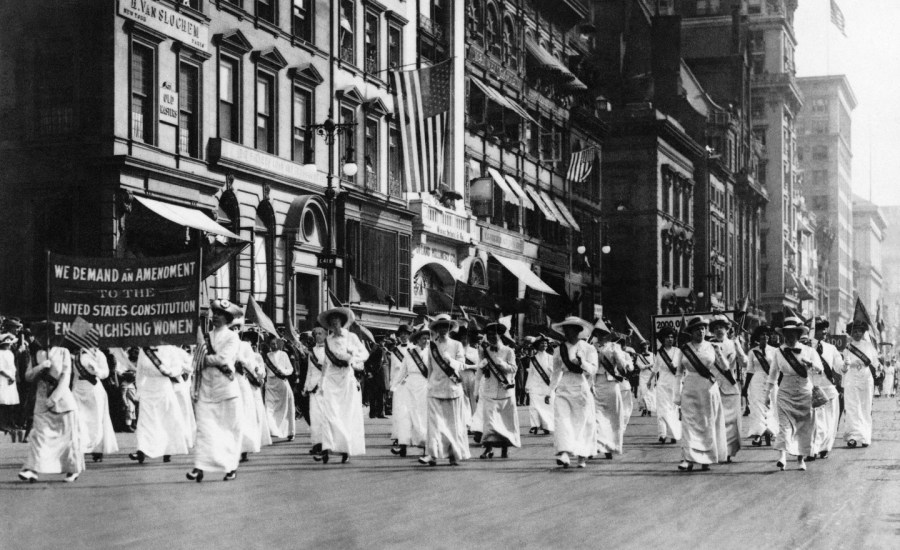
(560, 218)
(561, 206)
(503, 101)
(547, 62)
(539, 201)
(187, 217)
(419, 261)
(576, 85)
(517, 189)
(524, 273)
(508, 194)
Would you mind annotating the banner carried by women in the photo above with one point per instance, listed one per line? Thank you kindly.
(131, 302)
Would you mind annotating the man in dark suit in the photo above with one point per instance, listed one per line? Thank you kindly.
(374, 380)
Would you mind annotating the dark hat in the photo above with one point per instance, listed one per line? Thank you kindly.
(696, 322)
(821, 322)
(404, 328)
(759, 331)
(423, 331)
(719, 320)
(665, 332)
(11, 324)
(496, 326)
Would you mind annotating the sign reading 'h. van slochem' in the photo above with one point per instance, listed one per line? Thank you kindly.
(166, 20)
(131, 302)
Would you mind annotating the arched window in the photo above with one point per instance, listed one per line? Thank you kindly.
(475, 20)
(510, 45)
(264, 258)
(492, 31)
(225, 283)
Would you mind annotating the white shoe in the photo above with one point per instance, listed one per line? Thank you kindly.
(28, 475)
(71, 477)
(563, 460)
(582, 462)
(802, 464)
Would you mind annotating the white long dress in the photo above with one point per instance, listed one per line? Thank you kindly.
(731, 358)
(795, 416)
(646, 393)
(218, 408)
(609, 398)
(53, 444)
(9, 392)
(574, 414)
(859, 389)
(96, 429)
(253, 424)
(313, 387)
(411, 392)
(702, 418)
(183, 395)
(280, 408)
(446, 419)
(889, 376)
(500, 417)
(265, 436)
(825, 418)
(342, 414)
(668, 385)
(763, 417)
(541, 412)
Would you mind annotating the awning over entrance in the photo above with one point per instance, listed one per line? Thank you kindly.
(539, 201)
(419, 261)
(503, 101)
(561, 206)
(508, 194)
(187, 217)
(517, 189)
(523, 271)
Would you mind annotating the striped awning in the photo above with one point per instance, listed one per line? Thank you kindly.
(517, 189)
(561, 206)
(498, 98)
(546, 61)
(539, 201)
(508, 194)
(560, 217)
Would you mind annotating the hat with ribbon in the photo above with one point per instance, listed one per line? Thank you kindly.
(695, 323)
(573, 321)
(443, 319)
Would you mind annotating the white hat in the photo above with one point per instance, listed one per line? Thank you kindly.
(345, 312)
(585, 327)
(443, 319)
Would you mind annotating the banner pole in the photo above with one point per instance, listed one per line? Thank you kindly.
(49, 325)
(199, 281)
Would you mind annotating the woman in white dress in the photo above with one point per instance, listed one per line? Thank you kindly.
(860, 360)
(280, 409)
(668, 386)
(183, 394)
(889, 377)
(540, 372)
(609, 397)
(643, 361)
(342, 415)
(411, 392)
(574, 414)
(9, 392)
(249, 377)
(218, 399)
(313, 388)
(500, 420)
(96, 430)
(763, 418)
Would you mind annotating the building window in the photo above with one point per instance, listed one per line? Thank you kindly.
(303, 21)
(533, 135)
(55, 97)
(371, 156)
(510, 48)
(380, 258)
(371, 43)
(193, 4)
(143, 100)
(264, 258)
(820, 152)
(265, 112)
(475, 20)
(819, 105)
(345, 140)
(395, 162)
(302, 141)
(404, 261)
(492, 32)
(348, 31)
(395, 47)
(267, 10)
(189, 110)
(229, 99)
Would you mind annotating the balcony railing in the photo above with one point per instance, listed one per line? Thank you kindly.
(431, 27)
(372, 64)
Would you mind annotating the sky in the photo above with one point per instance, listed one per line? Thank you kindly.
(870, 57)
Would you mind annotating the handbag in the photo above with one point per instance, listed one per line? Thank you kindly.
(819, 398)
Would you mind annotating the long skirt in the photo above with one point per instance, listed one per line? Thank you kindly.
(667, 423)
(646, 396)
(446, 429)
(888, 384)
(280, 408)
(477, 424)
(609, 402)
(469, 390)
(627, 406)
(161, 430)
(825, 426)
(265, 438)
(501, 423)
(541, 414)
(731, 406)
(53, 445)
(412, 417)
(703, 438)
(219, 424)
(96, 432)
(252, 425)
(315, 417)
(186, 405)
(795, 416)
(762, 418)
(575, 419)
(342, 419)
(858, 392)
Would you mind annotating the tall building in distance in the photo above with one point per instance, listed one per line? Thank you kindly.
(868, 234)
(890, 263)
(825, 152)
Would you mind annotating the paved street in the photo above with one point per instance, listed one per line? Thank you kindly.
(282, 499)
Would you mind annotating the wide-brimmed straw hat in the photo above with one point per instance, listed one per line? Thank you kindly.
(719, 319)
(225, 306)
(7, 338)
(422, 331)
(792, 323)
(443, 319)
(573, 321)
(696, 322)
(345, 312)
(497, 326)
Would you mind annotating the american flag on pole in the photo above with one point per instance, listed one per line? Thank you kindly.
(837, 17)
(423, 106)
(581, 164)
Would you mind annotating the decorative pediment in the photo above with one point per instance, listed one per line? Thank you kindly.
(234, 42)
(350, 95)
(394, 17)
(270, 58)
(308, 75)
(376, 107)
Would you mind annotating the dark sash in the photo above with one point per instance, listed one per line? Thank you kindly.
(864, 358)
(314, 359)
(608, 367)
(417, 359)
(334, 360)
(241, 369)
(829, 373)
(724, 372)
(82, 372)
(696, 363)
(761, 358)
(442, 363)
(540, 370)
(397, 353)
(157, 363)
(271, 366)
(643, 359)
(795, 364)
(564, 355)
(495, 369)
(667, 360)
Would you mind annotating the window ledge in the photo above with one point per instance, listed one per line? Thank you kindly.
(268, 26)
(234, 10)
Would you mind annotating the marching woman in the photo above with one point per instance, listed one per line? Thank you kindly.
(279, 397)
(398, 355)
(411, 394)
(540, 366)
(890, 373)
(96, 430)
(574, 363)
(312, 387)
(644, 362)
(825, 417)
(763, 418)
(500, 420)
(218, 408)
(795, 363)
(9, 392)
(183, 395)
(668, 386)
(860, 366)
(250, 376)
(703, 438)
(342, 418)
(609, 397)
(446, 418)
(729, 360)
(53, 444)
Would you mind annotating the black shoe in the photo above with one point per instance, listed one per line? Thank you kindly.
(325, 457)
(607, 456)
(662, 440)
(504, 452)
(98, 457)
(811, 458)
(546, 432)
(532, 431)
(768, 438)
(290, 438)
(380, 416)
(674, 441)
(704, 467)
(686, 466)
(345, 458)
(728, 459)
(167, 458)
(230, 475)
(316, 449)
(195, 475)
(317, 458)
(864, 445)
(823, 454)
(403, 451)
(757, 441)
(780, 465)
(395, 450)
(477, 437)
(139, 456)
(851, 443)
(488, 453)
(243, 457)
